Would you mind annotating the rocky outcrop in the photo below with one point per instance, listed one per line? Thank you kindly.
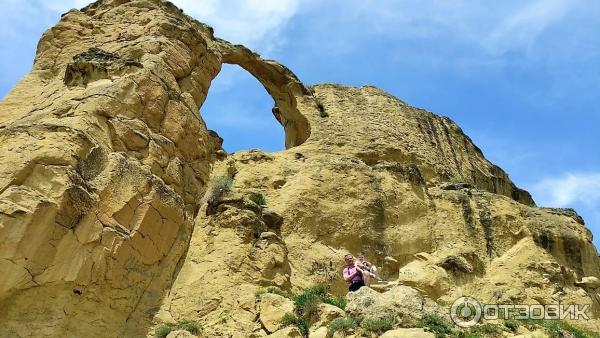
(105, 229)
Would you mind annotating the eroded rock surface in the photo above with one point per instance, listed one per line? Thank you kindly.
(105, 229)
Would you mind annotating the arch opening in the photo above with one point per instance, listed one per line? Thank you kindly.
(280, 83)
(240, 111)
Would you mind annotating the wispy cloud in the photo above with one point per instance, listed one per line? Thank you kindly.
(255, 23)
(569, 189)
(525, 24)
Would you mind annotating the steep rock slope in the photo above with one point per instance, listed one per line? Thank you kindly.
(370, 179)
(104, 230)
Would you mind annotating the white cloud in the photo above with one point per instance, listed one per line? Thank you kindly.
(254, 23)
(568, 190)
(522, 27)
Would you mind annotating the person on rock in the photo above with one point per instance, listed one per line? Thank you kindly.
(352, 274)
(369, 270)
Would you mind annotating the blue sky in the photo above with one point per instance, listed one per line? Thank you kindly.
(520, 77)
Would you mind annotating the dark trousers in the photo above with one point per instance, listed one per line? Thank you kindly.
(355, 285)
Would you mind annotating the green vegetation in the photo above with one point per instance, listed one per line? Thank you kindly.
(220, 185)
(305, 305)
(554, 328)
(436, 324)
(258, 198)
(322, 111)
(485, 330)
(189, 326)
(377, 325)
(342, 325)
(163, 330)
(512, 324)
(338, 301)
(290, 319)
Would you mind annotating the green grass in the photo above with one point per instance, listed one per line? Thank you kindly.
(323, 114)
(377, 325)
(258, 198)
(164, 329)
(342, 325)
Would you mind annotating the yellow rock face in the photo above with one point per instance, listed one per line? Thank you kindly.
(106, 229)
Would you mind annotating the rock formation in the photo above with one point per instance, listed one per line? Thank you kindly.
(107, 229)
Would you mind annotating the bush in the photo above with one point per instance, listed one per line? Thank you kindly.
(288, 319)
(323, 114)
(555, 327)
(485, 329)
(435, 324)
(190, 326)
(512, 324)
(305, 304)
(336, 301)
(219, 186)
(163, 330)
(342, 325)
(377, 325)
(258, 198)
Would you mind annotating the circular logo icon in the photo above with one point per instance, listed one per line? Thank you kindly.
(465, 311)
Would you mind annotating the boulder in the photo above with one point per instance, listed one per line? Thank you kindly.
(328, 313)
(272, 309)
(180, 334)
(404, 303)
(288, 332)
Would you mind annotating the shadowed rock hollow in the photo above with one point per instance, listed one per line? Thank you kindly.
(105, 230)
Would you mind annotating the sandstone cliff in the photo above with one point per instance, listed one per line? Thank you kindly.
(106, 229)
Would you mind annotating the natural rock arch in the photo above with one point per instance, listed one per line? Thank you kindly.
(281, 84)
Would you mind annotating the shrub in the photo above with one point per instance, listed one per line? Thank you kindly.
(319, 290)
(485, 329)
(219, 186)
(190, 326)
(322, 111)
(342, 325)
(163, 330)
(288, 319)
(377, 325)
(555, 327)
(336, 301)
(305, 304)
(435, 324)
(258, 198)
(512, 324)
